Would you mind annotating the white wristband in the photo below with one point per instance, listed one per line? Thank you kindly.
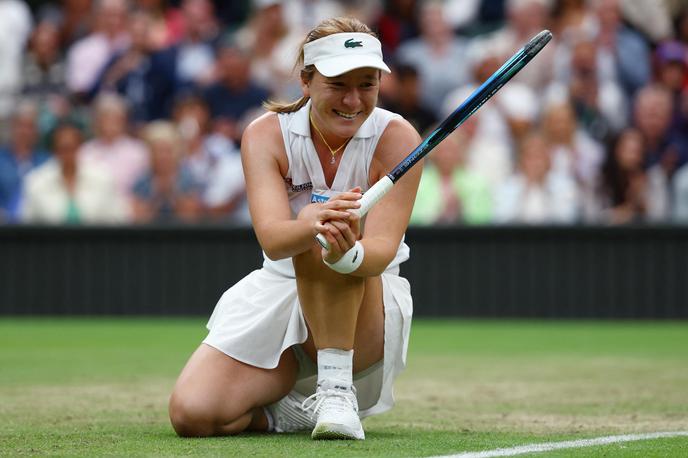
(350, 261)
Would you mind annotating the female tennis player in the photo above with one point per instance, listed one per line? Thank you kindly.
(314, 339)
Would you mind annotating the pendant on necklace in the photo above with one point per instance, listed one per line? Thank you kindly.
(333, 160)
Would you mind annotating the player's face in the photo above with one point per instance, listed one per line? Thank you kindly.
(340, 104)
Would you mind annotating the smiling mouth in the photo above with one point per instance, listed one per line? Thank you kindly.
(346, 115)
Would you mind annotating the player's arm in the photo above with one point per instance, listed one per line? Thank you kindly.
(386, 222)
(265, 164)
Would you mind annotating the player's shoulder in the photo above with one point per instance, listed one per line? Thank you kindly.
(399, 134)
(263, 135)
(263, 127)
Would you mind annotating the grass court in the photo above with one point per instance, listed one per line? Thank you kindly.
(99, 386)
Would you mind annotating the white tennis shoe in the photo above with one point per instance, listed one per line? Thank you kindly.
(288, 415)
(335, 408)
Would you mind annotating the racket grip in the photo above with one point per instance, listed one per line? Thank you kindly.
(369, 199)
(374, 194)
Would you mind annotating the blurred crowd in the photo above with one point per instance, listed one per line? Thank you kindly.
(126, 112)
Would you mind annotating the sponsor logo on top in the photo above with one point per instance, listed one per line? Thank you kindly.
(351, 43)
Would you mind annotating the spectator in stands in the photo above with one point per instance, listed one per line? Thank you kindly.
(194, 55)
(74, 17)
(66, 189)
(304, 15)
(571, 17)
(168, 193)
(574, 153)
(599, 102)
(43, 72)
(681, 25)
(234, 95)
(534, 194)
(139, 74)
(17, 158)
(397, 24)
(87, 57)
(44, 78)
(112, 148)
(626, 48)
(671, 72)
(449, 192)
(632, 193)
(15, 28)
(651, 19)
(488, 136)
(269, 39)
(652, 114)
(214, 162)
(404, 97)
(463, 16)
(525, 19)
(437, 54)
(519, 106)
(680, 195)
(166, 23)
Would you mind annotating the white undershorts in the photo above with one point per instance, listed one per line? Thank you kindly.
(260, 317)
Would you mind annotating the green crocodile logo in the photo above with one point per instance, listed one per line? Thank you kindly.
(350, 43)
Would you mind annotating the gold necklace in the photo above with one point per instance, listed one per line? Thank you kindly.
(333, 152)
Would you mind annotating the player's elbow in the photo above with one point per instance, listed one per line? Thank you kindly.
(378, 256)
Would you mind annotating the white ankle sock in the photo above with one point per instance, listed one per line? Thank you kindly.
(336, 365)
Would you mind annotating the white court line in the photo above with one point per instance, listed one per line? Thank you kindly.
(547, 446)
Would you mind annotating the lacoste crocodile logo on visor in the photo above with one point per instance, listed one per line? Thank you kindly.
(350, 43)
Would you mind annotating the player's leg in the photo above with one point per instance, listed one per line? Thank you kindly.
(345, 316)
(218, 395)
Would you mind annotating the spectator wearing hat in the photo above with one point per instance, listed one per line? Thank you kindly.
(69, 190)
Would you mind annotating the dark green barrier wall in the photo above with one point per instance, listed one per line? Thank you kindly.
(488, 272)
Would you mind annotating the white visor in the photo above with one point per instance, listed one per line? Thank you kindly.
(342, 52)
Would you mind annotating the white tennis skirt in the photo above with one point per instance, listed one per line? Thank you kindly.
(260, 317)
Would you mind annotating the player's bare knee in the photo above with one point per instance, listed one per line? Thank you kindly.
(192, 417)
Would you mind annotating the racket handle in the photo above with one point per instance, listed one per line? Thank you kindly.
(369, 199)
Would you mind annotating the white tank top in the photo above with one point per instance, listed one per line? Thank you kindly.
(305, 180)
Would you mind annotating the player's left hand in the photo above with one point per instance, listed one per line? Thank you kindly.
(341, 235)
